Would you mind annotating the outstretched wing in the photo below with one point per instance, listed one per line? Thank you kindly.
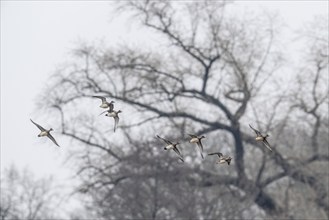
(178, 152)
(103, 112)
(200, 147)
(100, 97)
(256, 131)
(39, 126)
(52, 138)
(267, 144)
(193, 135)
(217, 153)
(116, 122)
(166, 141)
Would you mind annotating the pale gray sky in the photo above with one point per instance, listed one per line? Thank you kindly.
(36, 36)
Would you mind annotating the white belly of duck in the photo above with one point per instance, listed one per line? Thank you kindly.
(194, 140)
(259, 138)
(112, 114)
(168, 147)
(43, 133)
(104, 105)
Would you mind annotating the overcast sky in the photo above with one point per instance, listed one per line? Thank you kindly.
(37, 36)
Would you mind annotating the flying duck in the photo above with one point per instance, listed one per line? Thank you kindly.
(222, 159)
(197, 140)
(45, 132)
(115, 115)
(105, 104)
(173, 146)
(260, 137)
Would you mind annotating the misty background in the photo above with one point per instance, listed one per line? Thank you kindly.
(268, 59)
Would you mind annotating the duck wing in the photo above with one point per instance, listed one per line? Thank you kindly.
(178, 152)
(52, 138)
(267, 144)
(39, 126)
(256, 131)
(200, 147)
(193, 135)
(103, 112)
(116, 122)
(166, 141)
(100, 97)
(220, 155)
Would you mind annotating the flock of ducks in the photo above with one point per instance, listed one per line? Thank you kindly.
(197, 140)
(194, 139)
(110, 112)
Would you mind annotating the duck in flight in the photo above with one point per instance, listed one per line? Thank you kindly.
(197, 140)
(172, 146)
(45, 132)
(105, 104)
(222, 158)
(115, 116)
(260, 137)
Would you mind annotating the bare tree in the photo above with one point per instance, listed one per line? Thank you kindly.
(25, 197)
(213, 77)
(309, 102)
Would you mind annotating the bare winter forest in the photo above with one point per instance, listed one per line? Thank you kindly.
(212, 73)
